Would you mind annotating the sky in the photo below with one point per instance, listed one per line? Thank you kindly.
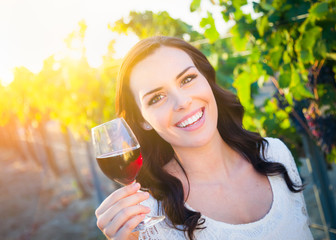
(32, 30)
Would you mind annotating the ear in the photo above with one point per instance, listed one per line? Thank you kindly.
(146, 126)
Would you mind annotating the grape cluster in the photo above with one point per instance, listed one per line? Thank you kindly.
(322, 127)
(314, 114)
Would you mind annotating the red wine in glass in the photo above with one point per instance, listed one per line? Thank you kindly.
(118, 155)
(122, 167)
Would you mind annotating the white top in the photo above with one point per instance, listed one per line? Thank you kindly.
(287, 218)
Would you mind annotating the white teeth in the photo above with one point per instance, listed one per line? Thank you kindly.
(191, 120)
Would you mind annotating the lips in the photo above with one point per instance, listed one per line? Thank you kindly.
(191, 118)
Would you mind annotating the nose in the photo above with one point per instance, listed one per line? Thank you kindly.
(182, 101)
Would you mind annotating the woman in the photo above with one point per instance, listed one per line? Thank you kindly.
(210, 177)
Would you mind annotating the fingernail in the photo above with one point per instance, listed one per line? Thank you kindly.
(146, 194)
(136, 185)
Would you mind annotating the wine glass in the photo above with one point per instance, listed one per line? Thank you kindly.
(119, 157)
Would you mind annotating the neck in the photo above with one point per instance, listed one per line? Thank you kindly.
(213, 162)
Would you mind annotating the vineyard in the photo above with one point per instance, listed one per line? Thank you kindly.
(280, 61)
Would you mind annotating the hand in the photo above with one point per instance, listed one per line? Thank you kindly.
(121, 212)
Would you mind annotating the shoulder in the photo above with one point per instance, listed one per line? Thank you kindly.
(277, 151)
(275, 143)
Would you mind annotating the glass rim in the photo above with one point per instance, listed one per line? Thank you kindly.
(124, 123)
(100, 125)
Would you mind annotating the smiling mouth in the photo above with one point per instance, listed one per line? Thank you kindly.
(191, 120)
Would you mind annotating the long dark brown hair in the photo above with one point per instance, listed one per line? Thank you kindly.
(156, 152)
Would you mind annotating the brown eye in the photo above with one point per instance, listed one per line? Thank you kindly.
(155, 99)
(187, 79)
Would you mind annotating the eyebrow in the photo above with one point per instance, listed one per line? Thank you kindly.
(160, 88)
(181, 73)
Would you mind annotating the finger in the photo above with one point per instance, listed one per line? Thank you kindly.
(116, 196)
(128, 227)
(121, 206)
(123, 217)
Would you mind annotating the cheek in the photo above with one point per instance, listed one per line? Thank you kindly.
(208, 96)
(205, 92)
(158, 118)
(160, 125)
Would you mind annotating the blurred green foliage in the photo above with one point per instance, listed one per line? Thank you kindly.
(292, 44)
(281, 45)
(286, 45)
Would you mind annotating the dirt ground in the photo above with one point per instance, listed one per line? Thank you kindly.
(36, 205)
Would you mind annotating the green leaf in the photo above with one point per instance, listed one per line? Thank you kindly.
(309, 37)
(268, 69)
(239, 3)
(275, 56)
(256, 70)
(289, 76)
(285, 79)
(211, 34)
(213, 59)
(266, 6)
(306, 56)
(288, 109)
(239, 43)
(285, 123)
(290, 47)
(320, 49)
(289, 97)
(275, 39)
(249, 123)
(262, 25)
(295, 77)
(195, 4)
(238, 14)
(210, 28)
(286, 57)
(319, 10)
(243, 85)
(281, 114)
(300, 92)
(271, 106)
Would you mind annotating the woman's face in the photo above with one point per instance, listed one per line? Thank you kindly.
(175, 98)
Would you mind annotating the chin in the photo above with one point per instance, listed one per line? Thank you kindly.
(196, 141)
